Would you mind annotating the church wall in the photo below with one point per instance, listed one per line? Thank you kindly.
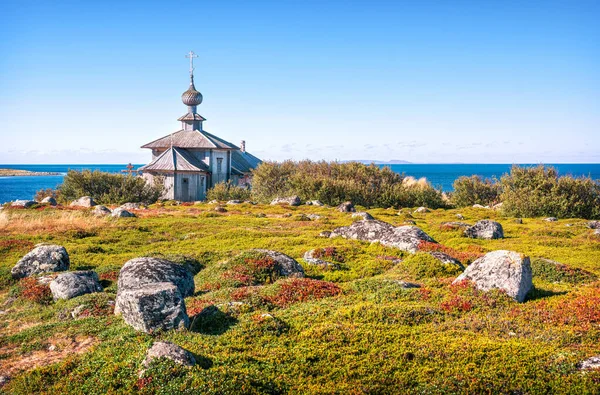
(196, 184)
(168, 180)
(225, 161)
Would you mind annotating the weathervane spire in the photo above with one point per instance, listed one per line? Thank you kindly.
(191, 55)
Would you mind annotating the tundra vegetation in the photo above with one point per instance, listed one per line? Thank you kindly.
(350, 328)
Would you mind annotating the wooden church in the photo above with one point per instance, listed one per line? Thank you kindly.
(191, 160)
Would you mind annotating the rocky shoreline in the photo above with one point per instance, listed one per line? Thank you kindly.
(17, 172)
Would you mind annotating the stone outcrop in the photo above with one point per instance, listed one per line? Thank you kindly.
(551, 219)
(153, 307)
(485, 229)
(594, 224)
(364, 215)
(346, 207)
(49, 200)
(446, 259)
(23, 203)
(120, 212)
(170, 351)
(42, 259)
(406, 238)
(592, 363)
(309, 257)
(422, 210)
(72, 284)
(286, 265)
(478, 206)
(313, 217)
(101, 211)
(505, 270)
(84, 201)
(132, 206)
(234, 202)
(314, 203)
(290, 200)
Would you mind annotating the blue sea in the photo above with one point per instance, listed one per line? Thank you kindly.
(440, 175)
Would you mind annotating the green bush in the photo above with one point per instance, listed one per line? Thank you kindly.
(227, 191)
(422, 265)
(474, 190)
(333, 183)
(108, 188)
(539, 191)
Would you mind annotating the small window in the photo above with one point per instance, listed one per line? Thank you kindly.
(219, 165)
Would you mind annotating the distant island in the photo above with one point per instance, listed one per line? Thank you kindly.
(17, 172)
(382, 162)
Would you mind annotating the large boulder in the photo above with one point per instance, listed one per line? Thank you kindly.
(132, 206)
(592, 363)
(346, 207)
(311, 258)
(101, 211)
(49, 200)
(170, 351)
(23, 203)
(290, 200)
(42, 259)
(72, 284)
(505, 270)
(153, 307)
(84, 201)
(594, 224)
(286, 265)
(485, 229)
(406, 238)
(120, 212)
(140, 272)
(446, 259)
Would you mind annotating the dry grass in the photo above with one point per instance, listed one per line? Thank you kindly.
(31, 222)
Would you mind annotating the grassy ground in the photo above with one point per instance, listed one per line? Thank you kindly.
(352, 330)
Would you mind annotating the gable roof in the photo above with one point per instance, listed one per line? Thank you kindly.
(190, 139)
(176, 159)
(243, 162)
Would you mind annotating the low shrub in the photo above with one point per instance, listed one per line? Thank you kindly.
(44, 193)
(227, 191)
(30, 289)
(551, 271)
(466, 257)
(109, 188)
(250, 268)
(422, 265)
(297, 290)
(475, 190)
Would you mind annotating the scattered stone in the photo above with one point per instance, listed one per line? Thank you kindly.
(154, 307)
(84, 201)
(302, 217)
(42, 259)
(286, 265)
(52, 347)
(478, 206)
(313, 217)
(519, 221)
(346, 207)
(364, 215)
(49, 200)
(232, 202)
(120, 212)
(455, 224)
(325, 233)
(421, 210)
(170, 351)
(596, 233)
(314, 203)
(551, 219)
(460, 216)
(497, 206)
(594, 224)
(406, 238)
(309, 257)
(505, 270)
(132, 206)
(101, 211)
(569, 225)
(220, 209)
(287, 215)
(4, 379)
(485, 229)
(76, 312)
(446, 259)
(23, 203)
(406, 284)
(213, 202)
(290, 200)
(72, 284)
(591, 363)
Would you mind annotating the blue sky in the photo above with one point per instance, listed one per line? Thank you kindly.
(423, 81)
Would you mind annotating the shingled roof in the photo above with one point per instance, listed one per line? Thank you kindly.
(175, 159)
(243, 162)
(191, 139)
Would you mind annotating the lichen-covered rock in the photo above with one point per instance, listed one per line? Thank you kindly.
(49, 200)
(286, 265)
(72, 284)
(364, 215)
(592, 363)
(485, 229)
(140, 272)
(346, 207)
(23, 203)
(505, 270)
(234, 202)
(84, 201)
(314, 203)
(101, 211)
(121, 213)
(132, 206)
(446, 259)
(42, 259)
(170, 351)
(551, 219)
(594, 224)
(460, 216)
(518, 221)
(325, 233)
(478, 206)
(153, 307)
(311, 259)
(422, 210)
(290, 200)
(406, 238)
(220, 209)
(313, 217)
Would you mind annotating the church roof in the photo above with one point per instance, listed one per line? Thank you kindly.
(243, 162)
(191, 139)
(176, 159)
(191, 117)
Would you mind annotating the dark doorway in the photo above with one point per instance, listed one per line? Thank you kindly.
(185, 189)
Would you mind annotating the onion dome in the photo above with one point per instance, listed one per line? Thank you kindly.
(191, 97)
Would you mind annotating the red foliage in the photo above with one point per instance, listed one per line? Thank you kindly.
(331, 253)
(187, 204)
(456, 303)
(425, 293)
(212, 286)
(254, 271)
(32, 290)
(195, 307)
(110, 276)
(303, 289)
(473, 251)
(460, 298)
(7, 245)
(142, 382)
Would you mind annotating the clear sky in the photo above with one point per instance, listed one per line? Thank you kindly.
(424, 81)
